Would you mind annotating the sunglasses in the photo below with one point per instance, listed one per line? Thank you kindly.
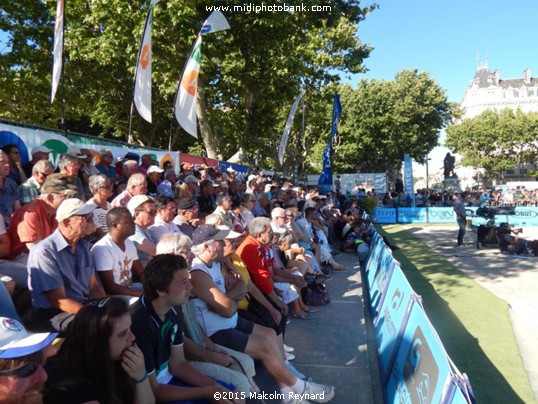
(23, 371)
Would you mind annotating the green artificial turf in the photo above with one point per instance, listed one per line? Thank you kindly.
(473, 323)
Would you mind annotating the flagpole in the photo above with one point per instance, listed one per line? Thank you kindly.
(62, 118)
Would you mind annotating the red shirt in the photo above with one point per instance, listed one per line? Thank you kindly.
(30, 224)
(254, 255)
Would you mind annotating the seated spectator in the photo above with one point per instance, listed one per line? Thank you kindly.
(105, 165)
(136, 185)
(128, 169)
(188, 188)
(238, 224)
(22, 356)
(115, 256)
(262, 205)
(61, 270)
(254, 306)
(224, 205)
(36, 221)
(166, 211)
(167, 185)
(99, 361)
(101, 189)
(38, 153)
(29, 190)
(158, 330)
(153, 179)
(246, 215)
(207, 357)
(9, 196)
(69, 165)
(217, 313)
(16, 173)
(206, 200)
(509, 241)
(288, 281)
(15, 270)
(146, 162)
(143, 210)
(187, 218)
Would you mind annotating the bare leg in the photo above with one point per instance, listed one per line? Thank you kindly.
(262, 345)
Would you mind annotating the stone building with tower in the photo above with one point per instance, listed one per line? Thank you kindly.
(488, 90)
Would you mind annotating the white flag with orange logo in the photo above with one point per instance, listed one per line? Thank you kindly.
(58, 48)
(185, 105)
(142, 88)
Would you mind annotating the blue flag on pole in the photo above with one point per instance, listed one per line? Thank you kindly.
(408, 178)
(326, 178)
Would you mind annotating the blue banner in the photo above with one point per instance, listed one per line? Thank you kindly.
(421, 371)
(393, 314)
(408, 178)
(412, 215)
(385, 215)
(240, 170)
(326, 178)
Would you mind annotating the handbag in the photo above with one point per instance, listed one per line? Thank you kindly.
(315, 294)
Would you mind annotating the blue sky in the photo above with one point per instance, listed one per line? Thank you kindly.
(442, 38)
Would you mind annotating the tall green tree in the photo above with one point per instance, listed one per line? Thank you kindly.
(496, 140)
(250, 73)
(383, 120)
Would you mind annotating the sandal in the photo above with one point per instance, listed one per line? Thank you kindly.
(307, 316)
(310, 310)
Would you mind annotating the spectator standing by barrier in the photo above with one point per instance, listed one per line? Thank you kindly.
(461, 216)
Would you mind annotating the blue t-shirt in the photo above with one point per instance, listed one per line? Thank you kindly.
(52, 265)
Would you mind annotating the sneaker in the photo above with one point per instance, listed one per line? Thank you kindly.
(295, 372)
(288, 348)
(290, 356)
(319, 393)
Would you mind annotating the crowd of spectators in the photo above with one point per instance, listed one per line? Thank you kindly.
(202, 268)
(445, 198)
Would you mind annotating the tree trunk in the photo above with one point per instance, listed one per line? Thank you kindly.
(209, 140)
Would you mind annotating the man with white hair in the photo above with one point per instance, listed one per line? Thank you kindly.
(38, 153)
(61, 270)
(129, 168)
(136, 185)
(69, 165)
(224, 205)
(29, 190)
(278, 220)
